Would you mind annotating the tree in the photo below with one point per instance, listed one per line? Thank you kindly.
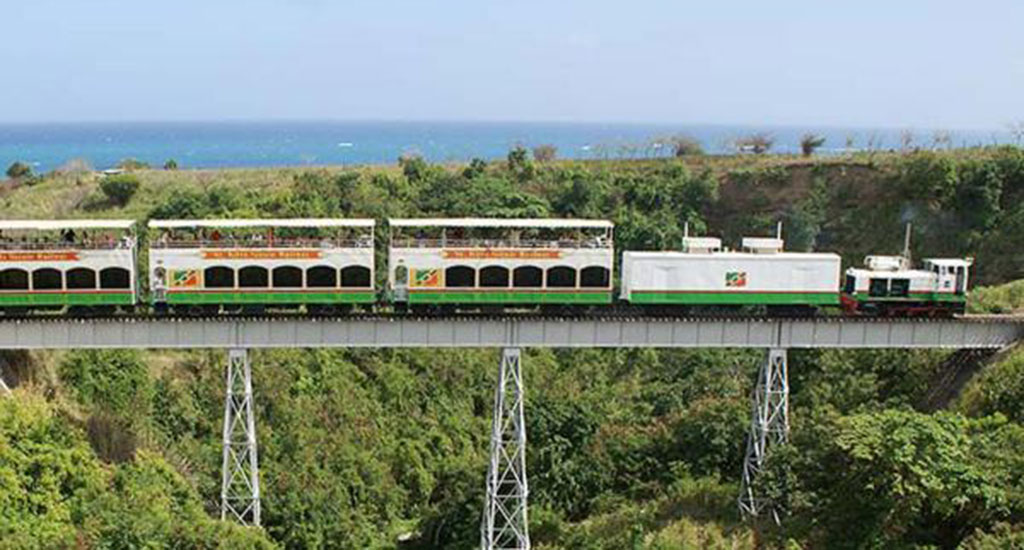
(520, 165)
(19, 170)
(758, 143)
(545, 153)
(810, 142)
(685, 146)
(131, 164)
(171, 164)
(120, 188)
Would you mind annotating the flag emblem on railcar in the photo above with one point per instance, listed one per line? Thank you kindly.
(426, 278)
(736, 279)
(184, 278)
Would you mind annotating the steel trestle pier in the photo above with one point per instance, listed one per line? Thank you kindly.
(973, 332)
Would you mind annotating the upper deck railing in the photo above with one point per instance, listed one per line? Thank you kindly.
(85, 244)
(411, 242)
(228, 242)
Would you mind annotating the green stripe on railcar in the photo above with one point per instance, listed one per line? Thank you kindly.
(97, 298)
(510, 296)
(736, 298)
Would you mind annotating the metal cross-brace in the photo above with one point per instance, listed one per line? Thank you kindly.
(504, 524)
(769, 425)
(240, 485)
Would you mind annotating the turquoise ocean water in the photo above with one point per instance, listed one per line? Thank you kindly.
(221, 144)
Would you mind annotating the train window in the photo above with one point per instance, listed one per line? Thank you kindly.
(527, 276)
(594, 276)
(561, 276)
(321, 276)
(14, 279)
(46, 279)
(287, 276)
(459, 276)
(219, 276)
(900, 288)
(115, 277)
(80, 278)
(851, 284)
(355, 276)
(878, 287)
(253, 276)
(494, 276)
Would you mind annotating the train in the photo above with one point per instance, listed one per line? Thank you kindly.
(441, 266)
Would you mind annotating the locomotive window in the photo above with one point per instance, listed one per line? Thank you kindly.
(14, 279)
(494, 276)
(561, 277)
(355, 276)
(219, 276)
(900, 288)
(851, 284)
(878, 287)
(80, 278)
(253, 276)
(321, 276)
(527, 276)
(459, 276)
(46, 279)
(115, 277)
(594, 276)
(287, 276)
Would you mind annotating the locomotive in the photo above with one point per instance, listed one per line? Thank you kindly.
(441, 266)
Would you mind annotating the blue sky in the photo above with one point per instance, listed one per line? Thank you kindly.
(932, 64)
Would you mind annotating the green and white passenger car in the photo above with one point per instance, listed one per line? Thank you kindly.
(210, 265)
(501, 262)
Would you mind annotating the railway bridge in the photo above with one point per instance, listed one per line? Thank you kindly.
(504, 518)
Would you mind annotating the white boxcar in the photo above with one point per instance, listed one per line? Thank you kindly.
(731, 278)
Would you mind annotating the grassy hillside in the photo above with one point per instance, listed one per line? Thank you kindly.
(628, 448)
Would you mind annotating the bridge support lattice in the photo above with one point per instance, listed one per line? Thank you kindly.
(240, 484)
(504, 524)
(769, 425)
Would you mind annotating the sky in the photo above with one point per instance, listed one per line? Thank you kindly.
(873, 63)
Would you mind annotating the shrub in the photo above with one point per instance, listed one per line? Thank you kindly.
(545, 153)
(810, 142)
(132, 164)
(758, 143)
(171, 164)
(19, 170)
(120, 188)
(685, 146)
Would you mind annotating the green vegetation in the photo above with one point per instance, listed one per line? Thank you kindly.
(810, 143)
(19, 170)
(120, 188)
(628, 448)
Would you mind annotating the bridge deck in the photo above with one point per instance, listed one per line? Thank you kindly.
(974, 332)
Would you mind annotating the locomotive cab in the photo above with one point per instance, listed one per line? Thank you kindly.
(890, 285)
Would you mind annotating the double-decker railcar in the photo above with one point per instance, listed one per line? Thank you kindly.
(704, 276)
(525, 263)
(80, 266)
(206, 266)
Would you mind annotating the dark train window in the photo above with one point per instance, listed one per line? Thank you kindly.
(900, 288)
(355, 276)
(878, 287)
(253, 276)
(46, 279)
(594, 276)
(527, 276)
(80, 278)
(287, 276)
(321, 276)
(459, 276)
(561, 277)
(494, 276)
(115, 277)
(219, 276)
(851, 284)
(14, 279)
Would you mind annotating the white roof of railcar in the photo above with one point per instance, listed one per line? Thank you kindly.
(954, 262)
(498, 222)
(50, 225)
(675, 255)
(288, 222)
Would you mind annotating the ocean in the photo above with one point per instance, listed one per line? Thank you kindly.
(249, 144)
